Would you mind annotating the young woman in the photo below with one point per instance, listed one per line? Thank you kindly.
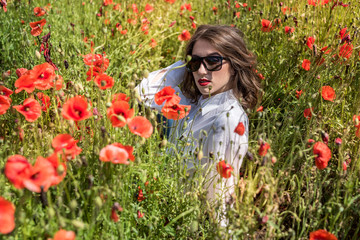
(218, 83)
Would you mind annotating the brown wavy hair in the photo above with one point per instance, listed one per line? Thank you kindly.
(230, 43)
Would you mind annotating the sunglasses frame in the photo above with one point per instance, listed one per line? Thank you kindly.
(201, 59)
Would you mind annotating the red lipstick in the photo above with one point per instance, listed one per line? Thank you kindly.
(203, 82)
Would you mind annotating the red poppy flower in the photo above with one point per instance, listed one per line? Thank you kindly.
(45, 101)
(140, 195)
(96, 60)
(93, 72)
(76, 109)
(140, 126)
(260, 109)
(7, 216)
(21, 71)
(298, 94)
(346, 50)
(120, 113)
(43, 75)
(31, 109)
(38, 11)
(149, 8)
(114, 154)
(310, 42)
(25, 82)
(4, 91)
(308, 113)
(289, 30)
(41, 176)
(37, 27)
(322, 155)
(153, 43)
(184, 36)
(322, 235)
(59, 168)
(63, 234)
(127, 148)
(266, 25)
(4, 104)
(140, 214)
(224, 169)
(120, 97)
(3, 4)
(175, 111)
(17, 169)
(170, 1)
(328, 93)
(65, 143)
(215, 10)
(343, 33)
(165, 94)
(264, 147)
(306, 64)
(104, 81)
(240, 129)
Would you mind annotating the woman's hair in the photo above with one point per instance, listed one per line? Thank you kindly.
(230, 43)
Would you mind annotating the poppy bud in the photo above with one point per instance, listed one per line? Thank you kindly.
(132, 84)
(146, 73)
(73, 204)
(273, 160)
(37, 54)
(325, 137)
(66, 64)
(51, 212)
(194, 226)
(78, 224)
(200, 155)
(60, 170)
(98, 202)
(163, 143)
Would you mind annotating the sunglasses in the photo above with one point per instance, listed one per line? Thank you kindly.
(211, 63)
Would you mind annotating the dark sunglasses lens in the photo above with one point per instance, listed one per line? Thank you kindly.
(213, 63)
(193, 65)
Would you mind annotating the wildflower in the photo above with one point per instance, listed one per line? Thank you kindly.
(76, 109)
(104, 81)
(43, 76)
(140, 214)
(63, 234)
(17, 169)
(260, 109)
(346, 50)
(322, 234)
(175, 111)
(165, 94)
(96, 60)
(264, 147)
(115, 154)
(65, 143)
(107, 2)
(58, 82)
(120, 113)
(153, 43)
(170, 1)
(120, 97)
(240, 129)
(37, 27)
(59, 169)
(308, 113)
(184, 36)
(306, 64)
(224, 169)
(38, 11)
(338, 141)
(140, 196)
(7, 216)
(4, 104)
(140, 126)
(289, 30)
(93, 72)
(344, 165)
(310, 42)
(21, 71)
(40, 177)
(25, 82)
(298, 94)
(322, 155)
(356, 120)
(266, 25)
(172, 24)
(30, 108)
(149, 8)
(328, 93)
(3, 5)
(215, 10)
(45, 101)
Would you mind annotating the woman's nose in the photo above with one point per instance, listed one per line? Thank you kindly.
(202, 69)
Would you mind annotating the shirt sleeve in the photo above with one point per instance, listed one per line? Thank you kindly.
(172, 76)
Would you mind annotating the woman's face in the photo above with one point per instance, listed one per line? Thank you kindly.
(217, 81)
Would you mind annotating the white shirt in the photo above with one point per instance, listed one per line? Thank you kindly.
(217, 115)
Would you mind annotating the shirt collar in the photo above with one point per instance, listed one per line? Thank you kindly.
(214, 102)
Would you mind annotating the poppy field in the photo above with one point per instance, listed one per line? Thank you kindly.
(81, 157)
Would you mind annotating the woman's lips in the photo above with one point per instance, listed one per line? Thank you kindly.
(203, 82)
